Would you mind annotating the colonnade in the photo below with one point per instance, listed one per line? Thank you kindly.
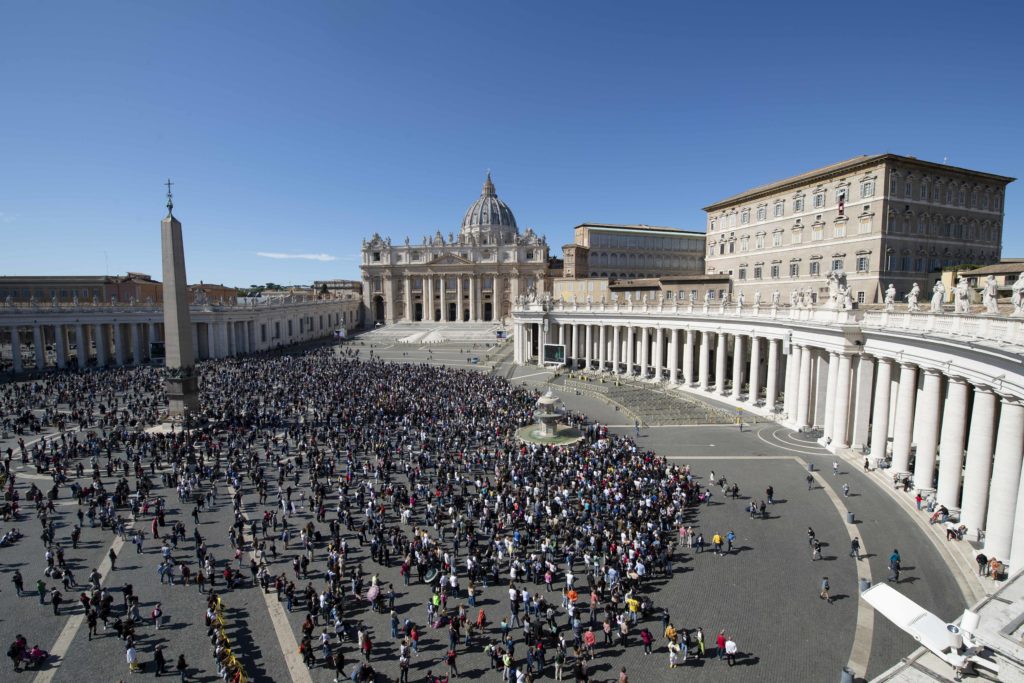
(442, 296)
(930, 414)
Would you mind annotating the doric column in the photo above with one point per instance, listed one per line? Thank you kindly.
(590, 345)
(978, 468)
(441, 292)
(602, 340)
(1002, 504)
(841, 411)
(659, 356)
(705, 361)
(459, 298)
(480, 298)
(38, 347)
(691, 337)
(819, 405)
(880, 415)
(904, 429)
(673, 357)
(951, 443)
(630, 350)
(616, 348)
(15, 348)
(136, 343)
(81, 346)
(542, 337)
(1017, 540)
(754, 376)
(428, 297)
(102, 349)
(721, 346)
(645, 351)
(771, 392)
(407, 290)
(120, 357)
(827, 423)
(575, 344)
(60, 345)
(472, 299)
(561, 334)
(791, 382)
(865, 374)
(927, 423)
(738, 361)
(803, 389)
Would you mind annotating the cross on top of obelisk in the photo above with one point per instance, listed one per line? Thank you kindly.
(170, 198)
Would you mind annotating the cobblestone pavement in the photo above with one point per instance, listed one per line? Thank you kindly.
(764, 593)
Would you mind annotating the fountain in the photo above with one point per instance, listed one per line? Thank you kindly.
(548, 430)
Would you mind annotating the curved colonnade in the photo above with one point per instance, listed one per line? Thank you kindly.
(940, 397)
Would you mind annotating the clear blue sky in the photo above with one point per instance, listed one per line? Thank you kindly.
(302, 127)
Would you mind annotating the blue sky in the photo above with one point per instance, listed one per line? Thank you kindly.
(299, 128)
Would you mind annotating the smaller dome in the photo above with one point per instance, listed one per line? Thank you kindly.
(488, 213)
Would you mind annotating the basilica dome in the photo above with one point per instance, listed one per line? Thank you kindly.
(489, 218)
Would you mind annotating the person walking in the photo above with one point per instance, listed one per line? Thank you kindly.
(846, 490)
(855, 548)
(720, 645)
(159, 660)
(824, 594)
(816, 550)
(730, 651)
(835, 468)
(810, 482)
(19, 582)
(182, 667)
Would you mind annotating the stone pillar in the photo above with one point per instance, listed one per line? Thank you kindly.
(15, 348)
(771, 393)
(630, 350)
(409, 312)
(120, 357)
(60, 345)
(927, 423)
(561, 334)
(705, 361)
(951, 443)
(459, 298)
(791, 382)
(38, 347)
(738, 361)
(81, 346)
(841, 410)
(616, 348)
(803, 387)
(136, 343)
(575, 344)
(865, 374)
(390, 297)
(880, 415)
(443, 303)
(1017, 540)
(673, 357)
(602, 340)
(102, 348)
(691, 337)
(721, 346)
(819, 405)
(590, 345)
(645, 351)
(658, 354)
(978, 468)
(1003, 492)
(903, 433)
(830, 396)
(754, 376)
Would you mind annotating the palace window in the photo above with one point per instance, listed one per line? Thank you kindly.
(762, 213)
(960, 198)
(777, 238)
(819, 200)
(780, 208)
(798, 204)
(908, 189)
(759, 243)
(794, 270)
(863, 263)
(376, 257)
(817, 233)
(840, 229)
(775, 271)
(860, 297)
(742, 274)
(923, 191)
(757, 272)
(867, 189)
(797, 236)
(893, 185)
(745, 216)
(837, 264)
(815, 268)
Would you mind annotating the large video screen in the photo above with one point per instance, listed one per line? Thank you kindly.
(554, 353)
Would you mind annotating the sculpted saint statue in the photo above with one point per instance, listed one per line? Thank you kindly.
(938, 294)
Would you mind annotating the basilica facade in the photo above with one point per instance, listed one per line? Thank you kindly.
(474, 276)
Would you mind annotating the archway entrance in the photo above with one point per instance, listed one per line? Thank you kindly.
(452, 312)
(378, 309)
(488, 312)
(417, 312)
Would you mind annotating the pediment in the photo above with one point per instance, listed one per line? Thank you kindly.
(450, 260)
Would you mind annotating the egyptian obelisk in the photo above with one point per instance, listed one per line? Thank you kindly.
(180, 380)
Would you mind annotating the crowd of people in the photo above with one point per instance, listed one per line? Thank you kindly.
(335, 477)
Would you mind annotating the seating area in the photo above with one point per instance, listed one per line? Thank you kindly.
(433, 333)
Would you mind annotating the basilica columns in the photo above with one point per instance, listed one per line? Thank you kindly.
(630, 350)
(720, 371)
(705, 361)
(472, 299)
(410, 315)
(841, 401)
(951, 444)
(459, 298)
(927, 424)
(616, 349)
(803, 401)
(771, 393)
(880, 418)
(602, 352)
(658, 354)
(691, 336)
(754, 380)
(673, 357)
(1005, 485)
(904, 431)
(737, 366)
(590, 345)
